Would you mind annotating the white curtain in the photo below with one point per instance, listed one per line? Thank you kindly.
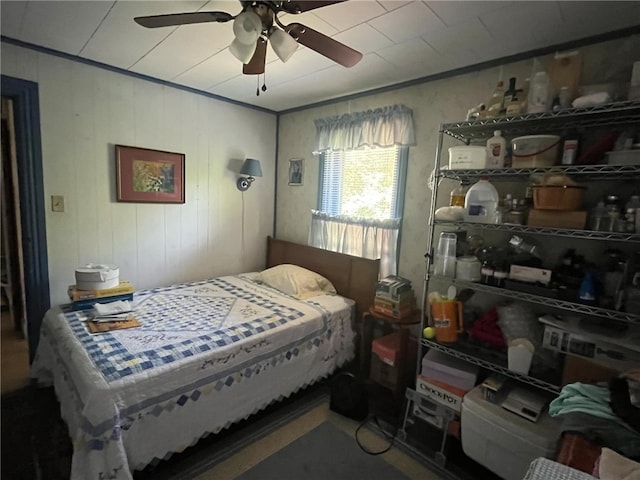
(356, 236)
(381, 127)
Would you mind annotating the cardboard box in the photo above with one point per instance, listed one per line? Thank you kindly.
(575, 220)
(438, 394)
(530, 274)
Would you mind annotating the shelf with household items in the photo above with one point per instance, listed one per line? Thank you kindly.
(611, 114)
(590, 172)
(556, 232)
(496, 361)
(547, 301)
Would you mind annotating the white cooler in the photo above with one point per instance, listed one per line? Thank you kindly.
(502, 441)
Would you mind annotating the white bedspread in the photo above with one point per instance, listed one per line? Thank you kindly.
(207, 354)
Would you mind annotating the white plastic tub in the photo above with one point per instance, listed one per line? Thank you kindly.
(502, 441)
(535, 151)
(467, 157)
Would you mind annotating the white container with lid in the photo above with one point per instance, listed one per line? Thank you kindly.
(97, 277)
(481, 202)
(467, 157)
(502, 441)
(468, 269)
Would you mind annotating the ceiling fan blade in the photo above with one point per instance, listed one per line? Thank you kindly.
(154, 21)
(256, 64)
(298, 6)
(324, 45)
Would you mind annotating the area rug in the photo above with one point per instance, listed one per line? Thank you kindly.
(326, 452)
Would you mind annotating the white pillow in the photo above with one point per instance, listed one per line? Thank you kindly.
(295, 281)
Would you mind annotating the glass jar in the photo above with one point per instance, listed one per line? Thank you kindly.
(458, 195)
(468, 269)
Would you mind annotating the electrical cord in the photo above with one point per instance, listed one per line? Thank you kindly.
(391, 438)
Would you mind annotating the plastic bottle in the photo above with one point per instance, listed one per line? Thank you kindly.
(510, 92)
(496, 150)
(481, 202)
(538, 100)
(494, 106)
(458, 194)
(598, 218)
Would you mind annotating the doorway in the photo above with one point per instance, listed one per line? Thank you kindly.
(14, 346)
(29, 195)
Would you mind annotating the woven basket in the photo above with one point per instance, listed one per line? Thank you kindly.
(551, 197)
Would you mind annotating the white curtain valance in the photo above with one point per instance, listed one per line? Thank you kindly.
(381, 127)
(357, 236)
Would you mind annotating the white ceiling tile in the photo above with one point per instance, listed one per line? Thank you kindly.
(213, 70)
(407, 22)
(122, 42)
(461, 37)
(310, 20)
(63, 26)
(187, 46)
(11, 18)
(364, 38)
(390, 5)
(452, 12)
(349, 14)
(413, 51)
(517, 22)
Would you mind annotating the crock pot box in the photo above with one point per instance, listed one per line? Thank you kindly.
(502, 441)
(95, 276)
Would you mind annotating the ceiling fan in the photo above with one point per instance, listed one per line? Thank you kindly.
(258, 23)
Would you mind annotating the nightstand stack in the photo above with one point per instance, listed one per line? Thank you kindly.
(385, 360)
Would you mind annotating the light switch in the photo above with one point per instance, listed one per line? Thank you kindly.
(57, 203)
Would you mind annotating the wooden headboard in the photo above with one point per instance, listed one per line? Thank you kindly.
(353, 277)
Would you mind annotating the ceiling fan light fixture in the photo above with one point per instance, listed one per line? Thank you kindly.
(242, 51)
(247, 27)
(283, 44)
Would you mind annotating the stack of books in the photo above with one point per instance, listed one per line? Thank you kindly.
(86, 299)
(394, 297)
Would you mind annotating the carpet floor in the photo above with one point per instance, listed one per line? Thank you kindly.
(297, 438)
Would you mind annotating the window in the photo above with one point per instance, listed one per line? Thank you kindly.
(366, 183)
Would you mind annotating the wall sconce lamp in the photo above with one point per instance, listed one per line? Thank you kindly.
(251, 169)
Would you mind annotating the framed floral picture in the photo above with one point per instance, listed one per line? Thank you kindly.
(295, 171)
(151, 176)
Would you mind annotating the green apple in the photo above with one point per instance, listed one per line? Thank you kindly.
(429, 332)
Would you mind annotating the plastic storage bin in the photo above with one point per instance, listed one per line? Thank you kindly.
(533, 151)
(467, 157)
(502, 441)
(449, 370)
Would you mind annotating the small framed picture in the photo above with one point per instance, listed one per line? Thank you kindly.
(295, 171)
(149, 176)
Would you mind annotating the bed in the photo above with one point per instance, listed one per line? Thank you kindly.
(207, 354)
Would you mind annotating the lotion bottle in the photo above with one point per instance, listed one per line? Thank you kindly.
(496, 150)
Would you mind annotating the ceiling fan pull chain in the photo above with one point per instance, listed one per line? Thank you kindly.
(258, 86)
(264, 82)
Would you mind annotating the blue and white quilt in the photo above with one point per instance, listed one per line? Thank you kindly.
(207, 354)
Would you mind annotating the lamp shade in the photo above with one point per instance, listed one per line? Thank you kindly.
(247, 27)
(242, 51)
(283, 44)
(251, 168)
